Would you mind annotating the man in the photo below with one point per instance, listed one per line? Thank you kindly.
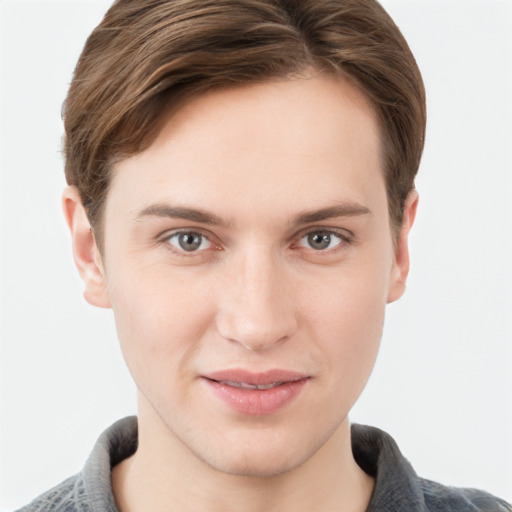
(241, 193)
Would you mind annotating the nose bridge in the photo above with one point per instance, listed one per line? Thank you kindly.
(255, 308)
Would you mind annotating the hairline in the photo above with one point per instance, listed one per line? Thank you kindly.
(307, 71)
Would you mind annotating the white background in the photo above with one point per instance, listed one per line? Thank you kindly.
(443, 383)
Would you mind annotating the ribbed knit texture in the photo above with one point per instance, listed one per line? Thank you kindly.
(397, 487)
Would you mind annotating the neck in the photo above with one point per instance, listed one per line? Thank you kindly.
(165, 475)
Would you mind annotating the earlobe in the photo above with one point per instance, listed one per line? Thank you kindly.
(85, 250)
(400, 269)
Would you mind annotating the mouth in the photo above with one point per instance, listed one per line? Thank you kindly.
(256, 393)
(246, 385)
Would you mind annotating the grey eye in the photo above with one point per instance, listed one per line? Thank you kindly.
(320, 240)
(189, 241)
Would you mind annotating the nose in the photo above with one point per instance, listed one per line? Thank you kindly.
(256, 307)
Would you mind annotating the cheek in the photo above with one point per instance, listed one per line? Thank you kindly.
(160, 318)
(348, 321)
(356, 328)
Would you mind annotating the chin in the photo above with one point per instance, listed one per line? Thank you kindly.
(257, 465)
(259, 456)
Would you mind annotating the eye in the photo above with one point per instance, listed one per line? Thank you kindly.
(189, 241)
(321, 240)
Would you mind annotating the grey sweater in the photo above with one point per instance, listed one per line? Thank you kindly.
(397, 487)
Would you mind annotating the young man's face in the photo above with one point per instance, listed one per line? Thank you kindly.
(250, 244)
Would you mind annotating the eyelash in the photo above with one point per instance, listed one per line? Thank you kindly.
(345, 238)
(183, 253)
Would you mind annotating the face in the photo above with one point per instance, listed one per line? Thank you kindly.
(248, 260)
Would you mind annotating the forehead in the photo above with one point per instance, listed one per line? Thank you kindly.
(313, 139)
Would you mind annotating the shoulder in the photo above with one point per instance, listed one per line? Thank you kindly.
(399, 488)
(439, 497)
(91, 489)
(65, 497)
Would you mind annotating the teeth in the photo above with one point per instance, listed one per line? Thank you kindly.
(245, 385)
(269, 386)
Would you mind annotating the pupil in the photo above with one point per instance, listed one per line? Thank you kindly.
(190, 241)
(319, 240)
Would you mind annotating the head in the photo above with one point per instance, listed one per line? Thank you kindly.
(242, 188)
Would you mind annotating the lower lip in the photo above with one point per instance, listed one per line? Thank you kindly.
(257, 401)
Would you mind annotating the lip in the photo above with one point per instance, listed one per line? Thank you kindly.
(227, 386)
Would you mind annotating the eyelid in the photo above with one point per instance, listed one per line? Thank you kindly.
(187, 229)
(344, 234)
(346, 237)
(167, 235)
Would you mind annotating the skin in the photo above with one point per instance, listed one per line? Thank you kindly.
(256, 294)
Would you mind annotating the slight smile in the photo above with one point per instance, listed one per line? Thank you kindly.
(256, 393)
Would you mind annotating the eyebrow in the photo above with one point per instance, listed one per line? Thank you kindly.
(179, 212)
(345, 209)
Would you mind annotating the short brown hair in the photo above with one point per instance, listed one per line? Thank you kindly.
(148, 55)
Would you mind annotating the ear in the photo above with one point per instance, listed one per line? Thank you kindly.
(400, 269)
(85, 250)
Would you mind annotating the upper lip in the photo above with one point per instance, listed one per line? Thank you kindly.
(260, 378)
